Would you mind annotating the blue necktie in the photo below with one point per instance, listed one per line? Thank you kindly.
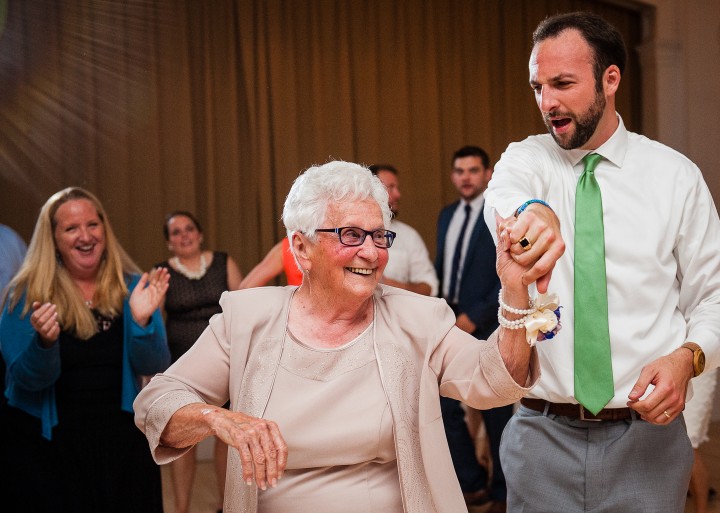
(454, 271)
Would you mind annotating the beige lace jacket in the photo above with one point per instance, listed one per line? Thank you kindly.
(420, 355)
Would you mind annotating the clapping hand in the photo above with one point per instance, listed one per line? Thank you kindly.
(149, 294)
(44, 321)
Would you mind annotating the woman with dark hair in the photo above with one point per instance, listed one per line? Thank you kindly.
(198, 278)
(80, 327)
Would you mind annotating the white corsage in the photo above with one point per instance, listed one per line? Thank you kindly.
(541, 321)
(544, 323)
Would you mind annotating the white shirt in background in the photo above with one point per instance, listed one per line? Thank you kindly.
(409, 260)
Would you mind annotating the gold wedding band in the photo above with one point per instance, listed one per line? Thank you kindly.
(666, 414)
(525, 244)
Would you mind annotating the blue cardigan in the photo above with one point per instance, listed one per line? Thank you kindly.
(32, 370)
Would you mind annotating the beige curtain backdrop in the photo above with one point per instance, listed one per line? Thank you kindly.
(216, 106)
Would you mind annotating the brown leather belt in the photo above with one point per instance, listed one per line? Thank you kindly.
(577, 411)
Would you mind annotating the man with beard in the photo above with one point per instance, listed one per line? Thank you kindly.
(409, 266)
(639, 288)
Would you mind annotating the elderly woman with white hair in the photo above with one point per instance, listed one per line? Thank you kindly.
(334, 385)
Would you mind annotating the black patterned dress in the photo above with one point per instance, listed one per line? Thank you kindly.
(189, 304)
(97, 460)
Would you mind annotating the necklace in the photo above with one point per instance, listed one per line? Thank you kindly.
(191, 275)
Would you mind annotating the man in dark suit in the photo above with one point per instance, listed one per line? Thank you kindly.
(465, 264)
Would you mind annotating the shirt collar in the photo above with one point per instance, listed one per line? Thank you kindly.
(613, 150)
(475, 204)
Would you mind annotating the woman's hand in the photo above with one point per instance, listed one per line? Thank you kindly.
(263, 451)
(44, 321)
(513, 276)
(514, 281)
(148, 294)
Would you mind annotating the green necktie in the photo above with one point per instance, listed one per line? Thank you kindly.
(593, 368)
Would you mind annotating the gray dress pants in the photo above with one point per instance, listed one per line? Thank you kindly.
(558, 464)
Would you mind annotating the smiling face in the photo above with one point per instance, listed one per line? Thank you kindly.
(79, 238)
(341, 271)
(576, 114)
(470, 177)
(184, 238)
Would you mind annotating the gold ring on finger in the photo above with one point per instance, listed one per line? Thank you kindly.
(666, 414)
(525, 244)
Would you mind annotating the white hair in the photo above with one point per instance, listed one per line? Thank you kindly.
(335, 182)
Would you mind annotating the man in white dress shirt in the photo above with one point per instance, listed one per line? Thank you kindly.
(661, 287)
(409, 266)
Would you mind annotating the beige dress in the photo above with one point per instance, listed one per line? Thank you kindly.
(334, 416)
(420, 354)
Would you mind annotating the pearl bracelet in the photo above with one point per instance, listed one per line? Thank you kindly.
(517, 311)
(508, 324)
(541, 321)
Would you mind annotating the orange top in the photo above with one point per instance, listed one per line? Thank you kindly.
(292, 273)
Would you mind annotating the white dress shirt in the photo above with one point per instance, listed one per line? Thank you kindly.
(662, 251)
(451, 240)
(409, 260)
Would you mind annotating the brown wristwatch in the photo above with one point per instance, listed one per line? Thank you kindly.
(698, 357)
